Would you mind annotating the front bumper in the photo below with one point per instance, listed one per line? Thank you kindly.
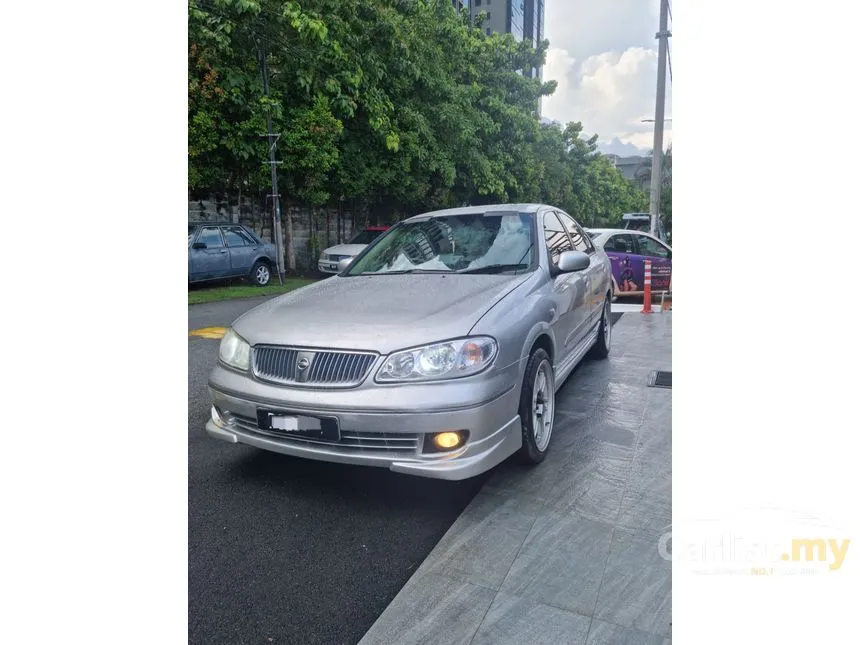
(494, 434)
(327, 266)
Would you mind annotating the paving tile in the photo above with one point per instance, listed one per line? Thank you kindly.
(561, 562)
(431, 610)
(534, 480)
(637, 585)
(593, 483)
(481, 545)
(516, 621)
(647, 502)
(603, 633)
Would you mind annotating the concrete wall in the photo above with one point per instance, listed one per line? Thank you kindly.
(320, 224)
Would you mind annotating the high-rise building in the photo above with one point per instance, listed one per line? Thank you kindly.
(524, 19)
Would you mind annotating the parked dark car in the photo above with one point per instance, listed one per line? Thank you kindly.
(217, 251)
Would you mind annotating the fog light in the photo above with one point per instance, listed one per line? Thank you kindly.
(446, 440)
(217, 418)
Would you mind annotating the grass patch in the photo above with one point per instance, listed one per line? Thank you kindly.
(198, 295)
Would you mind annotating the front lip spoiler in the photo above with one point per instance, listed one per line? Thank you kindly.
(278, 403)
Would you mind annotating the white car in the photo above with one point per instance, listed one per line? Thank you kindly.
(330, 257)
(627, 250)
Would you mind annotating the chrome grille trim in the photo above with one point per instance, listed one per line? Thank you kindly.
(387, 442)
(329, 368)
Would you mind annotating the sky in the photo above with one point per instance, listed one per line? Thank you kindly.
(603, 55)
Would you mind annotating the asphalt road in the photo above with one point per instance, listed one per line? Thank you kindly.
(285, 550)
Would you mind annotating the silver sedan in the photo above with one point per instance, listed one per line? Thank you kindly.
(436, 352)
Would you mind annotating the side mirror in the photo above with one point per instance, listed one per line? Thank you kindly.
(571, 261)
(198, 245)
(342, 264)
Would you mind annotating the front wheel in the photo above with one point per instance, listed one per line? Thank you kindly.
(537, 407)
(260, 274)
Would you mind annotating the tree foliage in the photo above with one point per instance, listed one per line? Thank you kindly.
(643, 177)
(396, 105)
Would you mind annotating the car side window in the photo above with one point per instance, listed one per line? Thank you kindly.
(651, 248)
(237, 236)
(620, 244)
(211, 237)
(581, 241)
(557, 240)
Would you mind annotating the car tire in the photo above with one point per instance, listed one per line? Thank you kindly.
(261, 274)
(538, 392)
(601, 347)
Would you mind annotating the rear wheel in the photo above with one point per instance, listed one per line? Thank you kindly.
(261, 274)
(537, 407)
(604, 332)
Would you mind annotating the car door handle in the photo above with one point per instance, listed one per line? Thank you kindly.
(223, 250)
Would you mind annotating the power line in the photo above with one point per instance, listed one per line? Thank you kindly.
(669, 7)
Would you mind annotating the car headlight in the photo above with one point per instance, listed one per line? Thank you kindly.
(235, 351)
(451, 359)
(323, 256)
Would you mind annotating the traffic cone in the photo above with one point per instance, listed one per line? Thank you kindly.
(646, 301)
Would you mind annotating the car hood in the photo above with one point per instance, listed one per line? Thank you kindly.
(345, 249)
(377, 313)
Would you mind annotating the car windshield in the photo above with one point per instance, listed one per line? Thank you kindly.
(366, 237)
(494, 242)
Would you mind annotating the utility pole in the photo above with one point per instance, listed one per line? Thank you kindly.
(273, 164)
(659, 116)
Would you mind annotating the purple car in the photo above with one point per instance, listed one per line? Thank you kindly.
(627, 251)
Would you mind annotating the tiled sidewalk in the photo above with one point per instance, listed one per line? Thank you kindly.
(565, 552)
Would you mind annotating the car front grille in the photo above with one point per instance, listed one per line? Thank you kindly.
(294, 366)
(361, 442)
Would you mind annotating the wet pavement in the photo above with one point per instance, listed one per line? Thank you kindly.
(566, 551)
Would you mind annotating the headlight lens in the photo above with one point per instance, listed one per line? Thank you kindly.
(235, 351)
(451, 359)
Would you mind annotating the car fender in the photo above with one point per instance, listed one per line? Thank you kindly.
(516, 321)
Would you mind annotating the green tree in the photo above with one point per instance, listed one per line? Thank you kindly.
(397, 106)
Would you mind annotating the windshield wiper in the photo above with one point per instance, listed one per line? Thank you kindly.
(402, 271)
(495, 268)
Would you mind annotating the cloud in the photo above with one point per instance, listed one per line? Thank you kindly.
(617, 147)
(603, 56)
(610, 93)
(587, 27)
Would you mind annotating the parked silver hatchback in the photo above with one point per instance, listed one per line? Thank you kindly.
(436, 352)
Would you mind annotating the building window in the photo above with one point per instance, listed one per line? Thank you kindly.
(488, 15)
(489, 31)
(477, 3)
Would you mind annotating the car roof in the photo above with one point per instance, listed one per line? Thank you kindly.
(612, 231)
(636, 216)
(214, 224)
(477, 210)
(602, 231)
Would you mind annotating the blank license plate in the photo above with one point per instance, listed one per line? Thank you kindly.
(285, 423)
(300, 426)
